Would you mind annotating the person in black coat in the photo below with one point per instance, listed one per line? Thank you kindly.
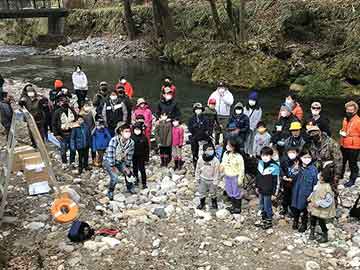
(200, 130)
(141, 153)
(168, 106)
(6, 113)
(2, 82)
(100, 99)
(318, 119)
(241, 122)
(122, 97)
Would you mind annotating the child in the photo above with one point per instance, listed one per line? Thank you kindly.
(163, 134)
(143, 109)
(177, 143)
(303, 185)
(207, 175)
(80, 141)
(322, 204)
(141, 153)
(262, 138)
(267, 185)
(211, 114)
(289, 166)
(100, 141)
(233, 167)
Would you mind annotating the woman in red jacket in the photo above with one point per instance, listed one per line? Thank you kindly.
(129, 90)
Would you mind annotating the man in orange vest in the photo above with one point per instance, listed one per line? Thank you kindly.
(350, 140)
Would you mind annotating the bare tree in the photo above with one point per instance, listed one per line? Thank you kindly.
(130, 25)
(163, 22)
(216, 18)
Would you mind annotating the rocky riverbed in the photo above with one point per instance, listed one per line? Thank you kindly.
(105, 47)
(160, 227)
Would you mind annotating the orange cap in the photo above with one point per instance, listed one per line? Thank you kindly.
(58, 84)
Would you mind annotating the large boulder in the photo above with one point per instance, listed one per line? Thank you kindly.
(246, 71)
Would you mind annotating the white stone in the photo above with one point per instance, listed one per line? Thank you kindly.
(356, 240)
(222, 214)
(119, 197)
(34, 226)
(311, 265)
(167, 185)
(92, 245)
(155, 253)
(242, 239)
(203, 214)
(156, 243)
(111, 242)
(170, 209)
(77, 180)
(227, 243)
(355, 262)
(159, 199)
(353, 252)
(66, 248)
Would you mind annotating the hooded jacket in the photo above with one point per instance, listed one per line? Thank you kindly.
(199, 127)
(99, 101)
(207, 170)
(279, 136)
(352, 129)
(6, 113)
(254, 113)
(114, 112)
(38, 106)
(80, 137)
(146, 112)
(241, 122)
(141, 146)
(169, 107)
(223, 103)
(211, 114)
(163, 133)
(267, 179)
(129, 90)
(322, 122)
(79, 80)
(178, 136)
(100, 139)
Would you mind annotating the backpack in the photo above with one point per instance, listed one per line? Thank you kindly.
(80, 231)
(355, 211)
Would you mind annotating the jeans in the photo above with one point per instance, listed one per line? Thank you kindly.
(266, 205)
(114, 177)
(351, 156)
(64, 147)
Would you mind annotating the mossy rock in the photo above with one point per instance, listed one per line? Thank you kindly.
(301, 25)
(245, 71)
(185, 52)
(317, 85)
(347, 67)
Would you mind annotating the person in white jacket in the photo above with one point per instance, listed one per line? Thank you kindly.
(224, 101)
(80, 84)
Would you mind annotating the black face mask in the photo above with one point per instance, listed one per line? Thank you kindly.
(65, 105)
(349, 115)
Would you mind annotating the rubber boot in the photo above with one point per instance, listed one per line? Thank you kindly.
(267, 224)
(324, 238)
(230, 208)
(283, 211)
(202, 204)
(214, 204)
(176, 165)
(236, 209)
(312, 233)
(295, 225)
(303, 226)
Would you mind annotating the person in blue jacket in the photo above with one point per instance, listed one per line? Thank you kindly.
(241, 121)
(80, 141)
(99, 141)
(199, 128)
(303, 185)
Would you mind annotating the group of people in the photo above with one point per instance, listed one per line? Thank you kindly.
(298, 161)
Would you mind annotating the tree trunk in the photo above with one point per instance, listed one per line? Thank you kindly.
(216, 18)
(163, 23)
(242, 21)
(230, 13)
(130, 25)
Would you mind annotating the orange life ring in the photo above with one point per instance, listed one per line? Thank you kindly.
(64, 210)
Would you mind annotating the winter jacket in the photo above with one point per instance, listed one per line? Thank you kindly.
(178, 136)
(298, 112)
(2, 81)
(38, 107)
(172, 87)
(114, 112)
(323, 200)
(63, 120)
(289, 169)
(163, 133)
(242, 124)
(327, 150)
(207, 170)
(100, 139)
(146, 112)
(279, 136)
(169, 107)
(255, 114)
(267, 179)
(303, 186)
(223, 103)
(53, 95)
(129, 90)
(141, 147)
(260, 141)
(233, 165)
(129, 105)
(352, 129)
(120, 150)
(322, 122)
(80, 137)
(6, 114)
(212, 117)
(297, 142)
(199, 127)
(80, 81)
(99, 102)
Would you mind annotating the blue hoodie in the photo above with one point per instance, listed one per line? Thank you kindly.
(100, 139)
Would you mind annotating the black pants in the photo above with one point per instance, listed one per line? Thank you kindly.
(139, 165)
(83, 158)
(303, 213)
(195, 145)
(286, 199)
(81, 95)
(165, 155)
(351, 156)
(322, 223)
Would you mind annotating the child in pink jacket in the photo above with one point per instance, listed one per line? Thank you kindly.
(177, 143)
(142, 108)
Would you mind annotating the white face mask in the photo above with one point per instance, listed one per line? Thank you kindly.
(123, 81)
(266, 159)
(289, 102)
(137, 131)
(238, 111)
(198, 111)
(31, 94)
(126, 135)
(209, 152)
(221, 90)
(275, 157)
(283, 113)
(292, 155)
(252, 102)
(176, 123)
(163, 117)
(229, 148)
(113, 97)
(167, 97)
(315, 112)
(306, 160)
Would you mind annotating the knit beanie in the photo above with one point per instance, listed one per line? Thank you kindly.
(253, 95)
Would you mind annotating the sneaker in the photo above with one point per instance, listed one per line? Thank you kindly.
(349, 183)
(267, 224)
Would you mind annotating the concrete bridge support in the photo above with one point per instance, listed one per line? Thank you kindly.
(56, 26)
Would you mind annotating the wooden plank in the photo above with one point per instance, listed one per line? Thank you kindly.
(33, 13)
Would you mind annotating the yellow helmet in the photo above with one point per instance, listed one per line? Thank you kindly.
(295, 126)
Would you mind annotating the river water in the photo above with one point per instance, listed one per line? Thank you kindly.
(145, 75)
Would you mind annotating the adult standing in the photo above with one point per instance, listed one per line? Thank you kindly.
(129, 90)
(318, 119)
(2, 82)
(6, 113)
(296, 109)
(224, 101)
(123, 97)
(80, 85)
(168, 106)
(254, 112)
(350, 141)
(324, 151)
(99, 99)
(168, 83)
